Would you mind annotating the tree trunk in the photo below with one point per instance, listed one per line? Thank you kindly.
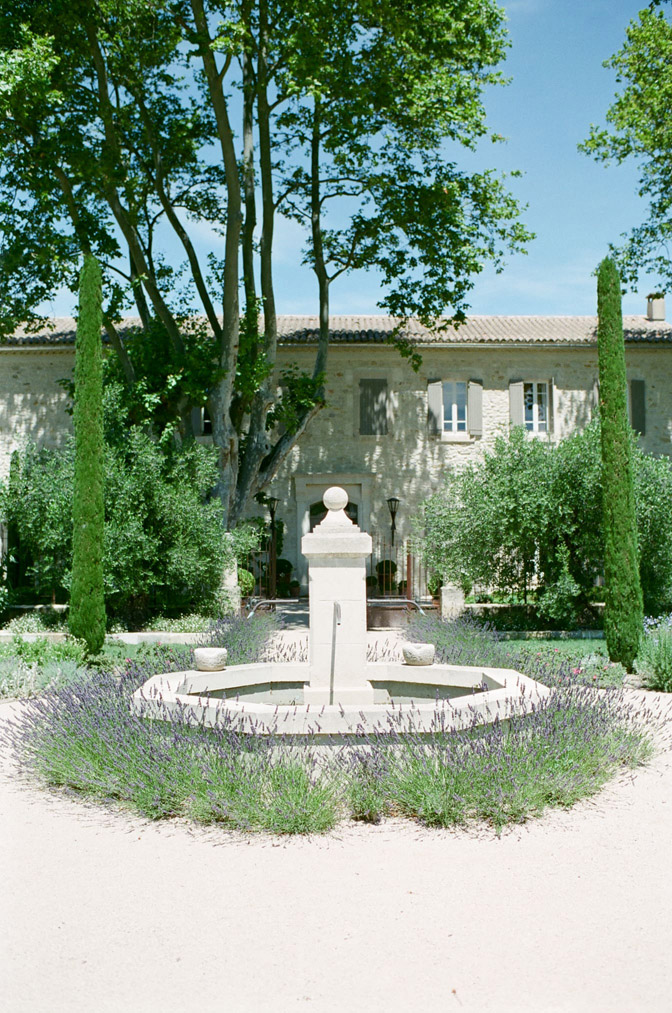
(319, 265)
(224, 432)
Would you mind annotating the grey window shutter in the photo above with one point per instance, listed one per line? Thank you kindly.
(373, 407)
(516, 403)
(435, 407)
(197, 421)
(475, 407)
(595, 400)
(638, 406)
(551, 404)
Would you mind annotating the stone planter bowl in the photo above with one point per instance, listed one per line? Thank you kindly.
(418, 654)
(210, 659)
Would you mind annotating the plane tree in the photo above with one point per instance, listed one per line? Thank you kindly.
(124, 122)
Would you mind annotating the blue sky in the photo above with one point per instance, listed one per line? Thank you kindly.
(576, 206)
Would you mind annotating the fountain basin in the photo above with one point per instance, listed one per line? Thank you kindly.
(269, 698)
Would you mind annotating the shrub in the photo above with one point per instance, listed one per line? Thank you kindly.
(165, 546)
(245, 581)
(654, 661)
(193, 622)
(527, 524)
(653, 489)
(18, 679)
(466, 641)
(44, 620)
(30, 667)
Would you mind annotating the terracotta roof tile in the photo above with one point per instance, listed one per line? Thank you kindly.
(304, 330)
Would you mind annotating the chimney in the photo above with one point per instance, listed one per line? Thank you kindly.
(655, 306)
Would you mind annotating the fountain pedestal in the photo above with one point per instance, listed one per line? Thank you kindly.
(337, 551)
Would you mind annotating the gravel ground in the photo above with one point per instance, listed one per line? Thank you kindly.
(102, 911)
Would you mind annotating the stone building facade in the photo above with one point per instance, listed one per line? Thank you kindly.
(387, 431)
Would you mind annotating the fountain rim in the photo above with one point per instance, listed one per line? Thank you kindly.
(170, 694)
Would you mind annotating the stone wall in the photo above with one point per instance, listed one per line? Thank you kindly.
(32, 404)
(407, 462)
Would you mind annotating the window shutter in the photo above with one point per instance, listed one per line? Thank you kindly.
(516, 403)
(373, 407)
(638, 406)
(595, 400)
(197, 421)
(475, 407)
(551, 404)
(435, 407)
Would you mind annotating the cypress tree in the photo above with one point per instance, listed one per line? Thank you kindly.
(624, 611)
(87, 603)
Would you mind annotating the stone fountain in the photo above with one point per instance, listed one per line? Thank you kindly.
(337, 692)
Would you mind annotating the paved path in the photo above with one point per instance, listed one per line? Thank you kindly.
(103, 912)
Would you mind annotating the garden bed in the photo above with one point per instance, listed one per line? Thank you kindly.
(84, 736)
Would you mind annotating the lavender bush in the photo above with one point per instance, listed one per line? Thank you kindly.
(84, 737)
(509, 771)
(654, 661)
(466, 641)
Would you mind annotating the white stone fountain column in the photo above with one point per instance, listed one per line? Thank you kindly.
(337, 552)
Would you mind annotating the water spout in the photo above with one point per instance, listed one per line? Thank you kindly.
(332, 673)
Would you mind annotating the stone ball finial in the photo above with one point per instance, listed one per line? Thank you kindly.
(335, 498)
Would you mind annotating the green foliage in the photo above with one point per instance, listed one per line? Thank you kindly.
(30, 667)
(42, 651)
(653, 493)
(40, 620)
(300, 393)
(165, 546)
(166, 380)
(86, 616)
(638, 130)
(112, 116)
(489, 523)
(191, 622)
(560, 602)
(624, 611)
(527, 523)
(38, 507)
(244, 539)
(654, 660)
(245, 581)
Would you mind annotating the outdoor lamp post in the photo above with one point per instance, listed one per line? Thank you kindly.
(393, 506)
(272, 507)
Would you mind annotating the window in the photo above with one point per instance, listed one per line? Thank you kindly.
(373, 407)
(202, 423)
(531, 405)
(454, 406)
(535, 405)
(455, 409)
